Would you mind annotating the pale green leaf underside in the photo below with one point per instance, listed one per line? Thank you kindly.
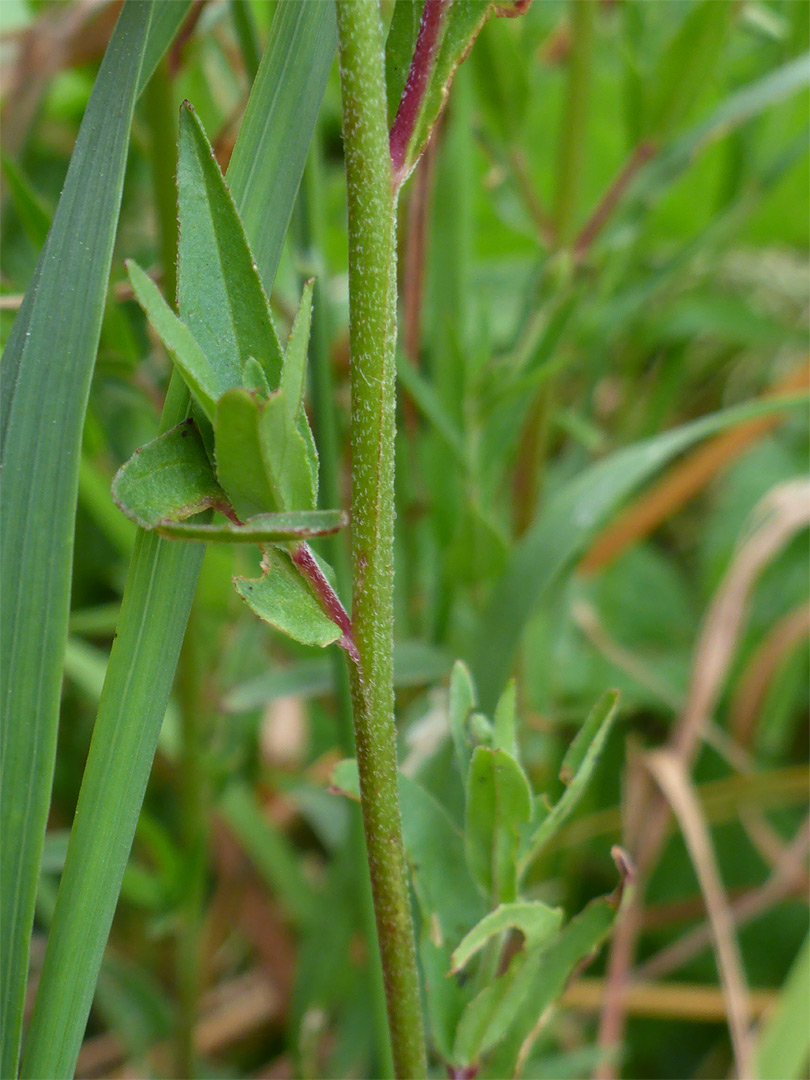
(504, 728)
(239, 456)
(283, 599)
(461, 703)
(169, 479)
(285, 455)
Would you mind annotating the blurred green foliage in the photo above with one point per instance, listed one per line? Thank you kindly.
(531, 365)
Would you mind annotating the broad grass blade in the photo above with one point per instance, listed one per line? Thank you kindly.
(265, 172)
(44, 397)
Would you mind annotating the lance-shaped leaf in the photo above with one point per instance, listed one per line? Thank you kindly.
(499, 801)
(262, 529)
(486, 1019)
(282, 598)
(461, 703)
(577, 769)
(169, 479)
(541, 979)
(254, 378)
(510, 1007)
(239, 456)
(293, 381)
(537, 922)
(261, 456)
(293, 373)
(199, 376)
(288, 460)
(446, 33)
(219, 289)
(504, 729)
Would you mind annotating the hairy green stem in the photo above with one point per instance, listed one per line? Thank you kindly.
(572, 132)
(310, 227)
(372, 297)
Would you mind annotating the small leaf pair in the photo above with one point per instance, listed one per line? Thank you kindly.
(247, 451)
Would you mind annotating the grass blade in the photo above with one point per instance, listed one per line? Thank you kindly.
(263, 178)
(783, 1041)
(561, 533)
(166, 21)
(302, 44)
(43, 407)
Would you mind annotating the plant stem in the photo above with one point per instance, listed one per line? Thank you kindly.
(613, 196)
(572, 132)
(372, 298)
(309, 220)
(194, 833)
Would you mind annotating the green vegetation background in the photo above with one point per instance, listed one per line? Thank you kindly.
(694, 297)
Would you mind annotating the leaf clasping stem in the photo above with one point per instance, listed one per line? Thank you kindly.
(427, 44)
(301, 554)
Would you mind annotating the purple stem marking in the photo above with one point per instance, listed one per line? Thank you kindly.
(415, 85)
(615, 192)
(330, 601)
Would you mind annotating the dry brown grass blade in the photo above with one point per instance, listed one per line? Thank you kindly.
(64, 35)
(669, 773)
(753, 687)
(685, 480)
(789, 877)
(721, 800)
(668, 1001)
(230, 1012)
(775, 519)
